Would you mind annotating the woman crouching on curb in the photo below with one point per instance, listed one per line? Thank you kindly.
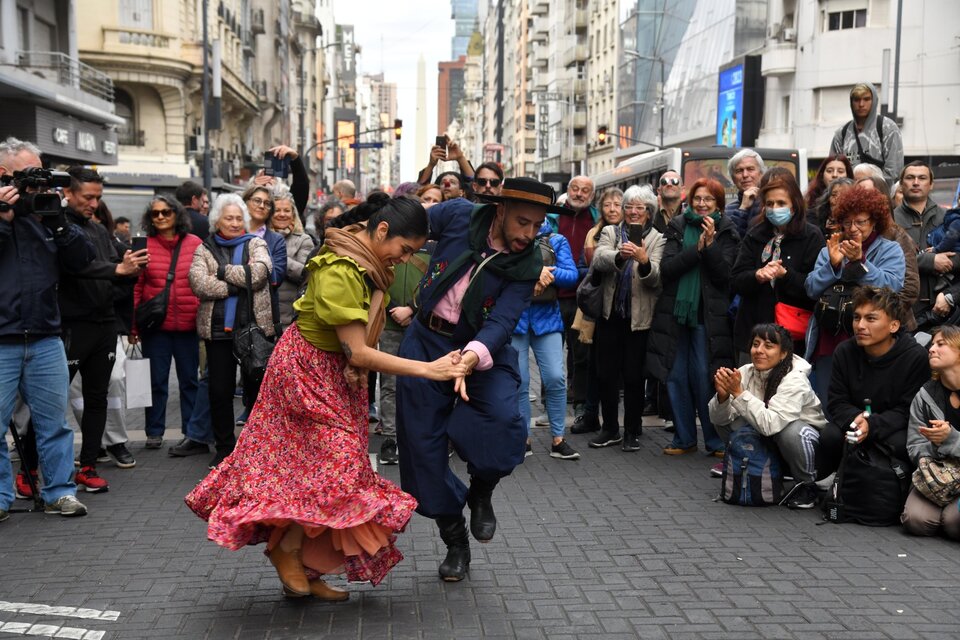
(300, 477)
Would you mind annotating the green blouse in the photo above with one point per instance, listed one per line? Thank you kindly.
(337, 294)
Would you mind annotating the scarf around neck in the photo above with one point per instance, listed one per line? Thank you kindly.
(524, 265)
(236, 257)
(686, 308)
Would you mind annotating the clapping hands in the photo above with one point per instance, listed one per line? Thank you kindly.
(727, 383)
(771, 271)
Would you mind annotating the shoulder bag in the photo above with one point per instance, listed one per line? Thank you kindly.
(151, 313)
(251, 346)
(938, 480)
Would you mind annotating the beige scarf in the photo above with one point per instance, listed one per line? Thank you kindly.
(344, 242)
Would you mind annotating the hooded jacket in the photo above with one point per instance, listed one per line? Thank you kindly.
(889, 382)
(794, 400)
(890, 152)
(544, 317)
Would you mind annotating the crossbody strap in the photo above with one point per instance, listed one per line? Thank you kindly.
(172, 273)
(475, 273)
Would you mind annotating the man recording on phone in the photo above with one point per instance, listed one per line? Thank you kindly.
(33, 250)
(446, 150)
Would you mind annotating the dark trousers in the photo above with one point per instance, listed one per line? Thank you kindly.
(488, 432)
(221, 383)
(91, 351)
(830, 448)
(160, 347)
(578, 353)
(621, 356)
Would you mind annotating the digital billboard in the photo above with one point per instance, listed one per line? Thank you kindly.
(730, 107)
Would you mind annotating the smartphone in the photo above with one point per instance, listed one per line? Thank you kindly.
(441, 141)
(635, 233)
(139, 242)
(276, 167)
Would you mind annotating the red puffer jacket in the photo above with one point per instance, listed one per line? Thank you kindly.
(182, 306)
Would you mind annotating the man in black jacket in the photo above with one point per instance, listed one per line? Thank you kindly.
(89, 323)
(33, 250)
(197, 203)
(875, 377)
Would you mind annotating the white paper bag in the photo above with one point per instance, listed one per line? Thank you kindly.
(137, 370)
(116, 417)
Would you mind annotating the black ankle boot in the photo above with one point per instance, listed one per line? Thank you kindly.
(453, 532)
(483, 522)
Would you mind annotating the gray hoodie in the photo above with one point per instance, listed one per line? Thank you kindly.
(844, 141)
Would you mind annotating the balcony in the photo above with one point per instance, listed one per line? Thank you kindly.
(66, 71)
(779, 59)
(573, 55)
(572, 154)
(576, 20)
(257, 22)
(539, 31)
(580, 119)
(131, 137)
(579, 87)
(541, 57)
(539, 7)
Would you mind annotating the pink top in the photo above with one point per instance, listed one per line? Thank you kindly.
(448, 308)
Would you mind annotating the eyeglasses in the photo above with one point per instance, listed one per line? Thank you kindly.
(260, 202)
(156, 213)
(703, 200)
(671, 181)
(488, 182)
(859, 224)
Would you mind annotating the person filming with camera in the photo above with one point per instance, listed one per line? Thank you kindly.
(33, 250)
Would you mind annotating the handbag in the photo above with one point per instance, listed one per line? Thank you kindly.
(549, 256)
(938, 480)
(590, 295)
(136, 370)
(251, 346)
(794, 319)
(151, 313)
(834, 311)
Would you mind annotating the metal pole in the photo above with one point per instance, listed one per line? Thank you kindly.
(205, 90)
(356, 156)
(303, 116)
(663, 88)
(896, 61)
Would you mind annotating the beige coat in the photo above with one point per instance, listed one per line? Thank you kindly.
(210, 289)
(646, 289)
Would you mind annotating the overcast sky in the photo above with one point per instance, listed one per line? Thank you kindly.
(392, 34)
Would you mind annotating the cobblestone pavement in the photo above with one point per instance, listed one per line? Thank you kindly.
(614, 545)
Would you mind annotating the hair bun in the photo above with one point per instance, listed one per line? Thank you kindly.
(377, 200)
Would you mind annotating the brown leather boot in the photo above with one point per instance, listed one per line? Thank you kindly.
(325, 592)
(290, 570)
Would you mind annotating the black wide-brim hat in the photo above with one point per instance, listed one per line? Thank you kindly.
(527, 191)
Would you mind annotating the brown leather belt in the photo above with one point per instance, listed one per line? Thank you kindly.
(437, 324)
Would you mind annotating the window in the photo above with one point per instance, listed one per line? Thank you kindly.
(853, 19)
(127, 133)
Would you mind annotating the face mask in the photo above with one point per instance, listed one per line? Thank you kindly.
(779, 217)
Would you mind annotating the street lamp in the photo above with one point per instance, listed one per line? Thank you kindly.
(659, 104)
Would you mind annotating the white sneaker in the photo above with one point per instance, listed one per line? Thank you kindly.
(542, 421)
(67, 506)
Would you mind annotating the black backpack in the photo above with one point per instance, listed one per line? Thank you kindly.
(870, 487)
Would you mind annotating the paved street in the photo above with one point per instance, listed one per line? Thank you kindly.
(613, 546)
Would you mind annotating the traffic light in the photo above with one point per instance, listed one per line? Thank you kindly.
(397, 128)
(602, 135)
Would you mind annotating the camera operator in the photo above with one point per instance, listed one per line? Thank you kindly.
(90, 324)
(33, 250)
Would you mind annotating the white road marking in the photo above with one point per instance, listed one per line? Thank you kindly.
(50, 631)
(62, 612)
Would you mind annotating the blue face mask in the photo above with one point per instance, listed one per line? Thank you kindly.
(779, 217)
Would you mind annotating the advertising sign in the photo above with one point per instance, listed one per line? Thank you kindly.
(730, 107)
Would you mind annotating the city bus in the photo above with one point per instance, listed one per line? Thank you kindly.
(693, 164)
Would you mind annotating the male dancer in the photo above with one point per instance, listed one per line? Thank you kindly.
(479, 281)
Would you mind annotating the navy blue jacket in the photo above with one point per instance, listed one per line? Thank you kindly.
(31, 259)
(505, 300)
(742, 217)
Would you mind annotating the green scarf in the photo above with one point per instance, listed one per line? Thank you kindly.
(525, 265)
(686, 308)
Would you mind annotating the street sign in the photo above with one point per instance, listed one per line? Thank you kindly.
(366, 145)
(549, 96)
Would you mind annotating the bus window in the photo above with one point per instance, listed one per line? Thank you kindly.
(712, 168)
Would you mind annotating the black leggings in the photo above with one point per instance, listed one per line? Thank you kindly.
(221, 382)
(91, 352)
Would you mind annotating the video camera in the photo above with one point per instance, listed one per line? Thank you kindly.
(34, 185)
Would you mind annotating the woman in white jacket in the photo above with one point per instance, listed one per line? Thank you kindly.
(773, 395)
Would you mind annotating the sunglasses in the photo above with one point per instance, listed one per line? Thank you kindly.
(672, 181)
(488, 182)
(156, 213)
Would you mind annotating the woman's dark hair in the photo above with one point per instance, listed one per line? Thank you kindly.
(251, 191)
(788, 183)
(105, 217)
(818, 185)
(875, 204)
(774, 173)
(779, 336)
(361, 212)
(406, 218)
(182, 218)
(823, 212)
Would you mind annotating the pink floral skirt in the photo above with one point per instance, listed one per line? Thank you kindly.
(303, 458)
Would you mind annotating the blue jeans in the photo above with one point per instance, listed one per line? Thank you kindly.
(184, 348)
(39, 371)
(690, 390)
(548, 350)
(199, 428)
